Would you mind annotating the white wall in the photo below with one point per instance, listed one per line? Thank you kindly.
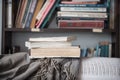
(0, 25)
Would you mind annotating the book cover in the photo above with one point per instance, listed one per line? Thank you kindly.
(84, 9)
(82, 5)
(30, 14)
(22, 13)
(26, 13)
(45, 13)
(50, 14)
(61, 38)
(18, 12)
(113, 13)
(72, 2)
(55, 52)
(82, 24)
(9, 16)
(81, 14)
(80, 0)
(48, 44)
(37, 9)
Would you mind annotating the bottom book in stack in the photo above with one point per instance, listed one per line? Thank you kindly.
(55, 52)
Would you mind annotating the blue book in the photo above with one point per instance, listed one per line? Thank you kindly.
(97, 51)
(84, 52)
(30, 15)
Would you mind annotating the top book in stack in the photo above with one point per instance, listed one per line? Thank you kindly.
(64, 38)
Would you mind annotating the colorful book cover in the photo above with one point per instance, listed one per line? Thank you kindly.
(45, 13)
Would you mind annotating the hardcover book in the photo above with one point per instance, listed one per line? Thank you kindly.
(62, 38)
(37, 9)
(82, 24)
(55, 52)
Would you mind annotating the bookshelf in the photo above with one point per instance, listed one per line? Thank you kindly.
(8, 33)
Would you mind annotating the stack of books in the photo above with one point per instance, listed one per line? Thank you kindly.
(52, 47)
(83, 14)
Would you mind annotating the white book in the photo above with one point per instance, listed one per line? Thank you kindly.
(64, 38)
(84, 9)
(39, 15)
(81, 14)
(47, 44)
(9, 14)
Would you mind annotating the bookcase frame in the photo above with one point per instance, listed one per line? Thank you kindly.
(7, 32)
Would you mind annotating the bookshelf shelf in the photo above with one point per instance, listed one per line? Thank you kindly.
(55, 30)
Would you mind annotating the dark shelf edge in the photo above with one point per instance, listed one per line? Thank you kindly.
(53, 30)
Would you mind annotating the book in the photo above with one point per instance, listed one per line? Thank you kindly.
(9, 12)
(84, 9)
(18, 12)
(104, 45)
(55, 52)
(22, 13)
(80, 0)
(37, 9)
(80, 18)
(82, 24)
(30, 14)
(82, 5)
(72, 2)
(47, 19)
(113, 13)
(48, 44)
(45, 13)
(27, 13)
(81, 14)
(27, 9)
(64, 38)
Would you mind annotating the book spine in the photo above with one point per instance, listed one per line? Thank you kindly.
(48, 8)
(113, 14)
(82, 5)
(22, 14)
(24, 25)
(71, 2)
(79, 18)
(18, 12)
(85, 24)
(80, 0)
(83, 9)
(9, 14)
(81, 14)
(39, 15)
(26, 13)
(37, 9)
(50, 14)
(32, 8)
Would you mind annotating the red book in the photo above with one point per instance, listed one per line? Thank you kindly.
(81, 24)
(45, 13)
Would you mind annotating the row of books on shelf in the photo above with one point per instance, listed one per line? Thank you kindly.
(103, 49)
(31, 13)
(85, 14)
(52, 47)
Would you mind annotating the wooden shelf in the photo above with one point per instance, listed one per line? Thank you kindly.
(53, 30)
